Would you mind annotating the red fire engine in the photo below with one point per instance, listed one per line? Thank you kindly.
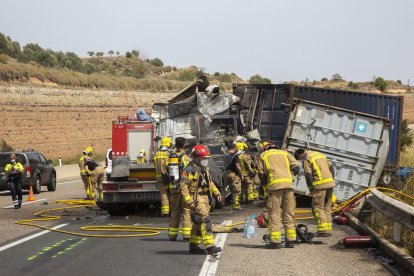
(130, 182)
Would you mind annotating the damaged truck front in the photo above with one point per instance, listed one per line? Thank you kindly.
(205, 116)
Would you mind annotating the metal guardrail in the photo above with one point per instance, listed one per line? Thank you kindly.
(399, 212)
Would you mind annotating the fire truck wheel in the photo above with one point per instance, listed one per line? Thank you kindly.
(116, 209)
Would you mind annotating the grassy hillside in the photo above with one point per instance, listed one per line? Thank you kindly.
(35, 65)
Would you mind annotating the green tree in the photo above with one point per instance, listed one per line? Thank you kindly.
(91, 53)
(257, 79)
(399, 82)
(100, 54)
(156, 62)
(111, 53)
(336, 77)
(128, 54)
(118, 53)
(406, 138)
(324, 79)
(381, 84)
(135, 53)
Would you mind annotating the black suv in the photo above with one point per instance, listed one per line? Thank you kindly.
(37, 170)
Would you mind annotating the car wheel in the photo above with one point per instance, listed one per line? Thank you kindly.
(37, 187)
(51, 187)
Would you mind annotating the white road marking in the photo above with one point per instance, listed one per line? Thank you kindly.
(4, 192)
(12, 206)
(7, 246)
(210, 267)
(69, 182)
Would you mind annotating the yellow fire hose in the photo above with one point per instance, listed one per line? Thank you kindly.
(145, 231)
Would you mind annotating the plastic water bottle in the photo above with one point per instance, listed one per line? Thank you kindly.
(252, 228)
(245, 228)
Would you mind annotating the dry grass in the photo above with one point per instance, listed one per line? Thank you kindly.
(384, 225)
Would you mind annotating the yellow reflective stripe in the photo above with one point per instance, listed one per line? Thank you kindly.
(214, 190)
(275, 236)
(208, 240)
(329, 226)
(323, 181)
(322, 227)
(173, 231)
(291, 234)
(267, 164)
(195, 240)
(165, 209)
(187, 198)
(315, 156)
(280, 180)
(186, 231)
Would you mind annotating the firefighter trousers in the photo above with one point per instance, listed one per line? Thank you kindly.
(85, 180)
(178, 208)
(234, 182)
(322, 209)
(97, 176)
(165, 198)
(285, 199)
(247, 189)
(15, 186)
(199, 230)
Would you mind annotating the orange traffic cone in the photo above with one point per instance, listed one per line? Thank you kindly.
(31, 196)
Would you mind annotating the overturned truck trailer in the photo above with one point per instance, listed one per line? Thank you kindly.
(356, 143)
(268, 107)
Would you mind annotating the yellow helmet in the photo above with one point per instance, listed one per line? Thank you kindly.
(246, 147)
(166, 141)
(263, 145)
(89, 151)
(240, 146)
(143, 152)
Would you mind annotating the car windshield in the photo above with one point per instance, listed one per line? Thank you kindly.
(5, 158)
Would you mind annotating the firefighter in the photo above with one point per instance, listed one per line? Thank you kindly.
(14, 172)
(245, 160)
(319, 174)
(255, 160)
(95, 173)
(176, 199)
(163, 180)
(86, 154)
(279, 166)
(142, 157)
(195, 186)
(234, 175)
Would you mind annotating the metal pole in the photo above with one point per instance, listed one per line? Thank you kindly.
(60, 161)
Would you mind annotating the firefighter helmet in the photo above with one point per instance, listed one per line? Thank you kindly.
(263, 145)
(240, 146)
(200, 151)
(166, 141)
(89, 151)
(270, 146)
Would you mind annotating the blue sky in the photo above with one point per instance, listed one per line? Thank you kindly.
(281, 40)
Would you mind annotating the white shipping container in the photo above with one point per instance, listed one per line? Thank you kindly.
(356, 143)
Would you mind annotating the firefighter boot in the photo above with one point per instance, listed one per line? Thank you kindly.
(273, 245)
(289, 244)
(197, 250)
(16, 204)
(213, 250)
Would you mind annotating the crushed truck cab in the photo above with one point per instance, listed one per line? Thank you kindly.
(130, 182)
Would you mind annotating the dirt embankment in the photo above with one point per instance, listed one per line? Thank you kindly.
(62, 122)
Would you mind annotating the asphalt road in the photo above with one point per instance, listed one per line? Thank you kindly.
(61, 254)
